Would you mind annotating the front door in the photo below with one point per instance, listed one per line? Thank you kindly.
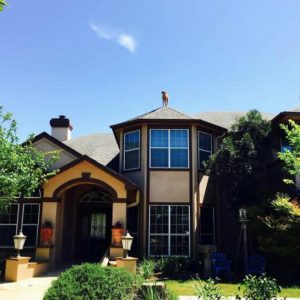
(94, 233)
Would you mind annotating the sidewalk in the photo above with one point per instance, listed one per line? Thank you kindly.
(30, 289)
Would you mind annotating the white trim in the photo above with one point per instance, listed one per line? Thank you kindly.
(169, 148)
(129, 150)
(169, 234)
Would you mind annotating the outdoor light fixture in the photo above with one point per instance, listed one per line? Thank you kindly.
(127, 243)
(243, 215)
(19, 241)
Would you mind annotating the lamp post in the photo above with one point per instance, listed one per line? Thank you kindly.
(127, 243)
(243, 219)
(19, 241)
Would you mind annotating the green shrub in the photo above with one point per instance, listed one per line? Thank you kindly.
(146, 268)
(260, 288)
(177, 265)
(207, 290)
(154, 293)
(91, 281)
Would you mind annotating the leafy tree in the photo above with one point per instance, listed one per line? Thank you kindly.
(2, 4)
(239, 154)
(291, 157)
(23, 169)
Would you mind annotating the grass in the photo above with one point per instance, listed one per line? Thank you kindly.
(186, 287)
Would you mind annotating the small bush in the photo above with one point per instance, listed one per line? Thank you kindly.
(146, 268)
(260, 288)
(177, 265)
(207, 290)
(91, 281)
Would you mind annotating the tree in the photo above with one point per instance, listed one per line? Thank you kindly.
(23, 169)
(238, 155)
(2, 4)
(291, 157)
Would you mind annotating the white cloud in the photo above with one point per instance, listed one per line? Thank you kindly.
(127, 41)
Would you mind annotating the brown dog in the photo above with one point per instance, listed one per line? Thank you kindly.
(165, 98)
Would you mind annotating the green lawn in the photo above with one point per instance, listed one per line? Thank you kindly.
(186, 287)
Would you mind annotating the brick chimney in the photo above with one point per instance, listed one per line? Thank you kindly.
(61, 128)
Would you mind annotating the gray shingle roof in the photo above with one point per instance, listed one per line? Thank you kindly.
(226, 119)
(102, 147)
(164, 112)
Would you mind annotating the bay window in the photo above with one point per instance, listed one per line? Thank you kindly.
(169, 230)
(169, 148)
(131, 150)
(204, 148)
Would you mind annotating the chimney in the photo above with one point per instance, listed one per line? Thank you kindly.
(61, 128)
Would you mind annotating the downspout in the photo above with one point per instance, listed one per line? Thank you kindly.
(136, 202)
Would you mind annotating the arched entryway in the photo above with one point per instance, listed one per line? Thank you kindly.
(87, 219)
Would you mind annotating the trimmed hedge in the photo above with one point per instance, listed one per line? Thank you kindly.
(91, 281)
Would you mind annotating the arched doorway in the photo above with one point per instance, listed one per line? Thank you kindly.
(94, 218)
(87, 219)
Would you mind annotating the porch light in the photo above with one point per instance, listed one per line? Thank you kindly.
(19, 241)
(243, 215)
(127, 243)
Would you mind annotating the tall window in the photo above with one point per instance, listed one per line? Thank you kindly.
(169, 230)
(132, 150)
(207, 226)
(30, 222)
(19, 217)
(9, 225)
(169, 148)
(204, 147)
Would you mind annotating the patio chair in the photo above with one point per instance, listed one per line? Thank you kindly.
(256, 265)
(220, 264)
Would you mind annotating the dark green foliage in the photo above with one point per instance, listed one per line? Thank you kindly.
(91, 281)
(2, 4)
(276, 226)
(177, 265)
(207, 290)
(239, 155)
(260, 288)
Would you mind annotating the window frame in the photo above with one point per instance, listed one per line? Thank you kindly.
(169, 234)
(199, 149)
(130, 150)
(213, 234)
(37, 225)
(12, 224)
(169, 148)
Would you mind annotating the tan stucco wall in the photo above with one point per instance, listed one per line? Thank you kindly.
(45, 145)
(119, 213)
(169, 186)
(76, 172)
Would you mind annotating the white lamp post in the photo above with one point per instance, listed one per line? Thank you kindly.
(19, 241)
(127, 243)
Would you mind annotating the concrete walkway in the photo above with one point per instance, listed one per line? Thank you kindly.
(30, 289)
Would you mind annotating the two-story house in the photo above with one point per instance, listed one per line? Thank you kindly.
(148, 175)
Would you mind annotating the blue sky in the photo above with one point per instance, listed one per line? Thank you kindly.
(101, 62)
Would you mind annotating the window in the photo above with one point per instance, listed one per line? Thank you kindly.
(284, 145)
(30, 222)
(169, 230)
(205, 147)
(207, 226)
(169, 148)
(132, 150)
(11, 223)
